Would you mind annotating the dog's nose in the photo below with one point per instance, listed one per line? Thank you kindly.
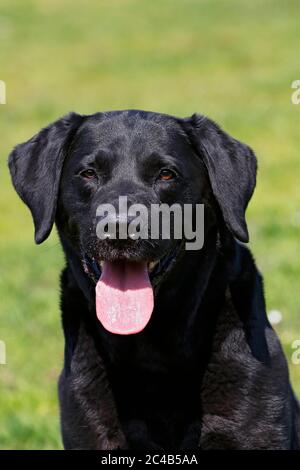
(121, 223)
(121, 227)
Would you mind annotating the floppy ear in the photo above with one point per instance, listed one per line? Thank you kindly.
(231, 167)
(35, 168)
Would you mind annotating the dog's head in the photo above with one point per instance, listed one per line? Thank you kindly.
(79, 164)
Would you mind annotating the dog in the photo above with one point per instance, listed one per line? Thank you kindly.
(198, 366)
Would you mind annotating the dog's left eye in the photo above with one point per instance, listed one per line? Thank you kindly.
(88, 174)
(166, 174)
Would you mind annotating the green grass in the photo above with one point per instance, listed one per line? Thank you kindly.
(234, 61)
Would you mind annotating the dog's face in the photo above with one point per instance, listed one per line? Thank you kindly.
(81, 163)
(150, 161)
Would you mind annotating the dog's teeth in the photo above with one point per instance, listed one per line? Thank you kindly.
(152, 265)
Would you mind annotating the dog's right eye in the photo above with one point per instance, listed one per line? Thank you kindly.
(88, 174)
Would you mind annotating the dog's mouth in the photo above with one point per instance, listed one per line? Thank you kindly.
(124, 290)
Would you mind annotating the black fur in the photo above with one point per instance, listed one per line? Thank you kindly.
(208, 370)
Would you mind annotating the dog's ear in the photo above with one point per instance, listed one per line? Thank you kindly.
(231, 167)
(35, 168)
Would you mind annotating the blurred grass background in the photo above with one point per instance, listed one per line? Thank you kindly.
(232, 60)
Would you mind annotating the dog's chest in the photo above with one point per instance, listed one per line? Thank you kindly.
(153, 376)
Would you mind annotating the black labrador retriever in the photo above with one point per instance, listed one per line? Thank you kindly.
(204, 369)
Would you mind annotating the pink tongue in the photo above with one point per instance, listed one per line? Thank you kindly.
(124, 297)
